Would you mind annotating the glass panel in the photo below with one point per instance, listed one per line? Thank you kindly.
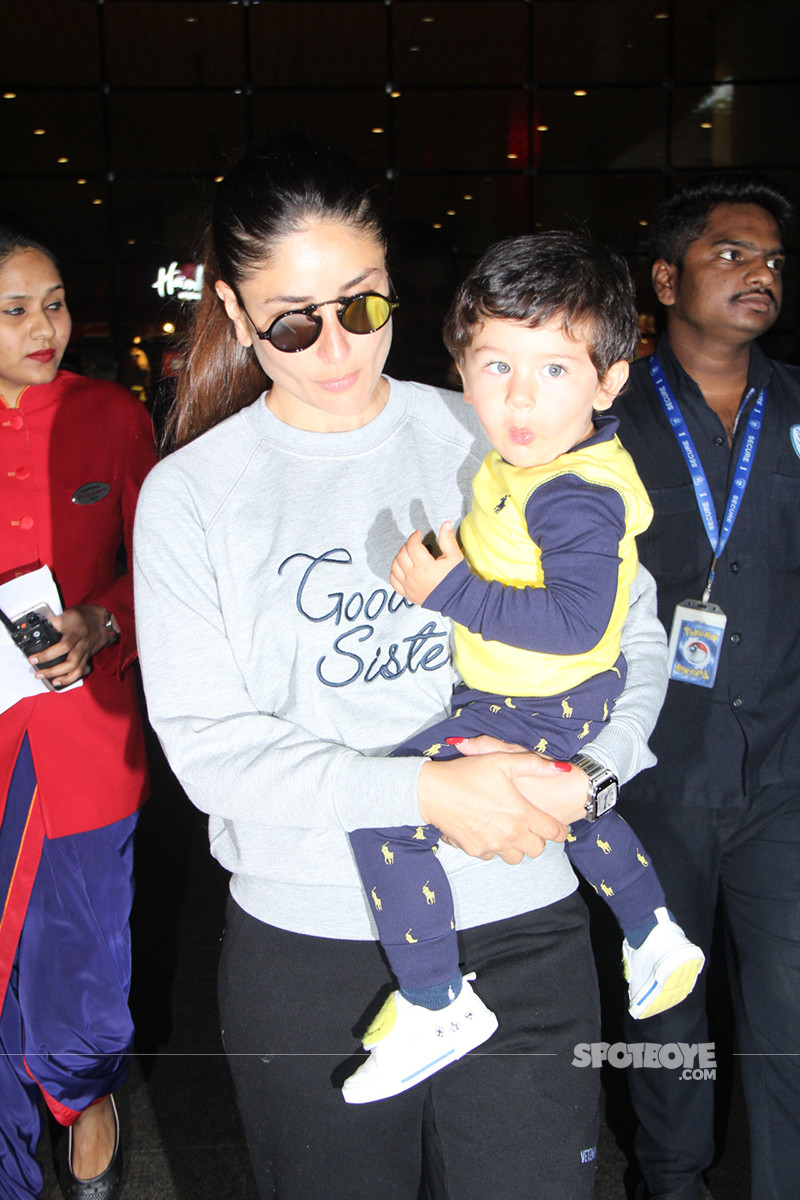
(614, 42)
(345, 119)
(342, 43)
(733, 124)
(726, 39)
(466, 212)
(88, 299)
(37, 44)
(463, 43)
(701, 120)
(158, 42)
(461, 130)
(176, 133)
(72, 129)
(77, 227)
(610, 208)
(606, 127)
(157, 223)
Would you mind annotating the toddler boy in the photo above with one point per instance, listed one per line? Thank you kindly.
(542, 332)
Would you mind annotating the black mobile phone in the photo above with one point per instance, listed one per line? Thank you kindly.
(32, 632)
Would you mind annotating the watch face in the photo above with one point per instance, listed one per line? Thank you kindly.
(606, 797)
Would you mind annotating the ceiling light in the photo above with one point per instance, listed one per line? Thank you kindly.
(97, 201)
(542, 128)
(437, 224)
(63, 160)
(378, 129)
(512, 156)
(467, 196)
(579, 92)
(394, 95)
(9, 95)
(706, 125)
(81, 181)
(451, 212)
(413, 49)
(39, 132)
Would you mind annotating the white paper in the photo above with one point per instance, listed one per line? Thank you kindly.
(18, 596)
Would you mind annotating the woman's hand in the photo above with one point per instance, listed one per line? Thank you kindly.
(558, 788)
(478, 804)
(83, 634)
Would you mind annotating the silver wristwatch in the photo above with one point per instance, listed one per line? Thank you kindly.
(603, 786)
(111, 625)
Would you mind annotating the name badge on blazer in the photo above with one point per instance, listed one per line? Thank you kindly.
(90, 493)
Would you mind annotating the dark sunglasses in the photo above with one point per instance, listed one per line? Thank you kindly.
(297, 330)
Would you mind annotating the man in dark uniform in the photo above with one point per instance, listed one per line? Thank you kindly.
(714, 429)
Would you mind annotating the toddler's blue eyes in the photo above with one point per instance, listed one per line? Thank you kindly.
(553, 370)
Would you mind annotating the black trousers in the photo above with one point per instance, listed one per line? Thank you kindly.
(749, 859)
(513, 1119)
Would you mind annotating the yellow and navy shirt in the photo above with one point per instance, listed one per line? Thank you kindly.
(550, 554)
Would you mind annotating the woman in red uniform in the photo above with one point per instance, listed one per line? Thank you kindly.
(72, 766)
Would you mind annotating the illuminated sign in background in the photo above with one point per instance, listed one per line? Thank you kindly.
(181, 281)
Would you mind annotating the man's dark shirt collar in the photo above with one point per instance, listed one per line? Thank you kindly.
(681, 382)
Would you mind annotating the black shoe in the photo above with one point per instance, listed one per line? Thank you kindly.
(104, 1186)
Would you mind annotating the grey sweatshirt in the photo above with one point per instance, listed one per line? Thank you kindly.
(280, 667)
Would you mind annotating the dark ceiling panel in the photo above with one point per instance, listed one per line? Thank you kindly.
(51, 42)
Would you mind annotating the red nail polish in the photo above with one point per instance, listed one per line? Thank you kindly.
(562, 766)
(454, 741)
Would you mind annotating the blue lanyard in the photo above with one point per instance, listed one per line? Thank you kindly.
(702, 491)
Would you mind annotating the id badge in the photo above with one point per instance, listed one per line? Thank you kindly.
(695, 642)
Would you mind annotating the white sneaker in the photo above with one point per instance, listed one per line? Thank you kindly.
(663, 970)
(408, 1043)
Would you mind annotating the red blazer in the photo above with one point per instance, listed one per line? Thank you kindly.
(87, 745)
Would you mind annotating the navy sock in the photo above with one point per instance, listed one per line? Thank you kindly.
(435, 997)
(636, 937)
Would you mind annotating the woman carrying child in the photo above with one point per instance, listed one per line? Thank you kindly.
(281, 669)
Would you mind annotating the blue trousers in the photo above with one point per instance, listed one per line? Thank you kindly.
(747, 860)
(65, 1027)
(408, 888)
